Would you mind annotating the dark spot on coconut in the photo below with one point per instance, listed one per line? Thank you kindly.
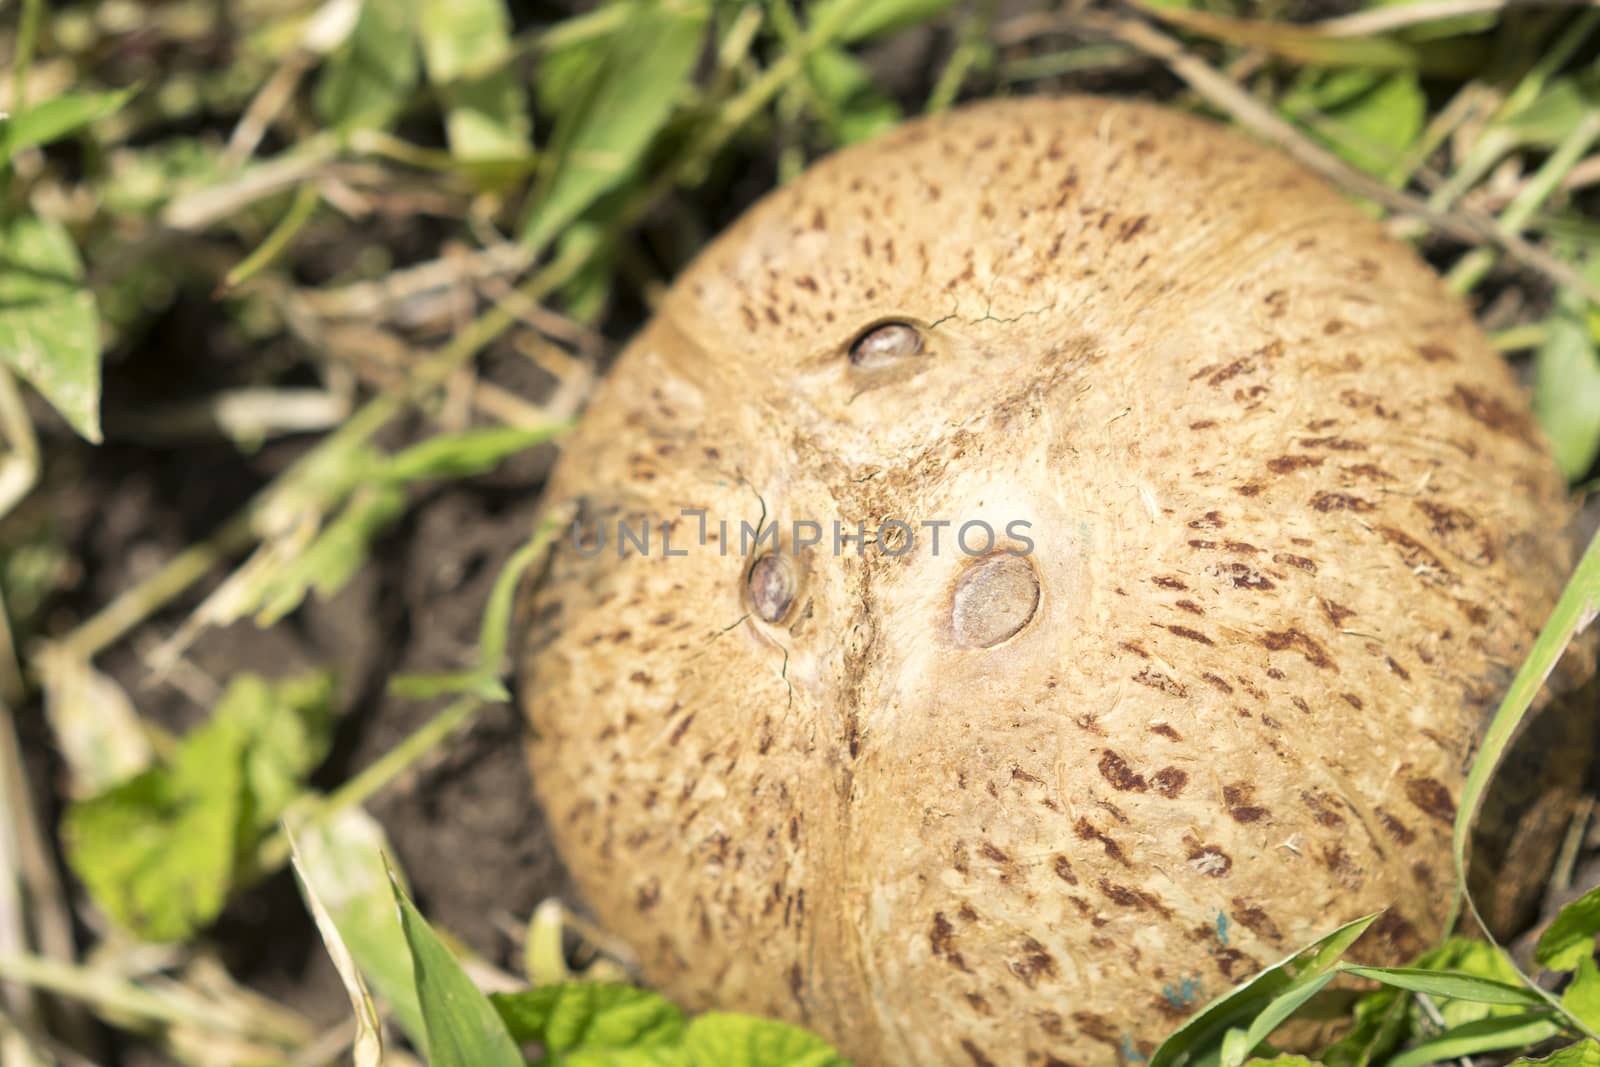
(993, 854)
(1035, 963)
(1253, 918)
(1207, 859)
(1114, 769)
(1216, 682)
(1087, 831)
(1202, 424)
(1353, 700)
(1063, 869)
(1396, 931)
(1335, 612)
(1243, 576)
(1169, 582)
(1430, 796)
(1233, 963)
(1096, 1028)
(1432, 353)
(681, 729)
(1189, 635)
(1239, 799)
(1336, 444)
(1159, 681)
(1166, 731)
(1190, 606)
(1290, 464)
(1490, 411)
(1282, 640)
(941, 939)
(1326, 502)
(649, 895)
(771, 583)
(975, 1053)
(1290, 560)
(979, 1003)
(1169, 782)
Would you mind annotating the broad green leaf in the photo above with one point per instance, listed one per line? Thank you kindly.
(157, 852)
(1369, 117)
(466, 48)
(1492, 1034)
(626, 99)
(1566, 388)
(53, 119)
(160, 851)
(462, 1026)
(342, 857)
(1582, 996)
(590, 1015)
(1449, 984)
(1270, 1018)
(720, 1039)
(1198, 1039)
(1570, 936)
(857, 108)
(1580, 1054)
(874, 18)
(462, 455)
(49, 331)
(367, 1046)
(369, 78)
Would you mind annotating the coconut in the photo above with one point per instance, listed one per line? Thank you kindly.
(1032, 572)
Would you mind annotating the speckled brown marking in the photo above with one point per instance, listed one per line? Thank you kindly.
(1243, 548)
(1208, 859)
(1430, 796)
(1288, 559)
(1492, 412)
(1394, 827)
(1239, 798)
(1255, 919)
(941, 939)
(1202, 424)
(1298, 641)
(1335, 612)
(975, 1053)
(1114, 769)
(1290, 464)
(1169, 782)
(1353, 700)
(1248, 489)
(1326, 502)
(1189, 635)
(1167, 581)
(1337, 444)
(1063, 869)
(992, 853)
(1166, 731)
(1234, 964)
(1096, 1028)
(1203, 545)
(1134, 647)
(1034, 963)
(1321, 806)
(1088, 831)
(1159, 681)
(1396, 931)
(1243, 576)
(1212, 520)
(1371, 472)
(1216, 682)
(1190, 606)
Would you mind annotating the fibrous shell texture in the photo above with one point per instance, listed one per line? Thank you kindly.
(1271, 528)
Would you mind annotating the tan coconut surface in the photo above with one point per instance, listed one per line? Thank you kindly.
(1291, 530)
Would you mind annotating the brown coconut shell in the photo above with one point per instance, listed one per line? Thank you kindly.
(1291, 526)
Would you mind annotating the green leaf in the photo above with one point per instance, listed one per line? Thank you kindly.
(369, 79)
(1570, 936)
(333, 558)
(160, 851)
(858, 109)
(1566, 388)
(1582, 996)
(1200, 1037)
(342, 857)
(434, 684)
(627, 98)
(590, 1015)
(1368, 117)
(873, 18)
(53, 119)
(466, 48)
(721, 1039)
(462, 1026)
(1449, 984)
(1236, 1050)
(49, 330)
(462, 455)
(1481, 1035)
(1580, 1054)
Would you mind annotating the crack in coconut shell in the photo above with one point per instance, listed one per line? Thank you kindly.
(1289, 527)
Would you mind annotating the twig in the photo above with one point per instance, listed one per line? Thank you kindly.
(1389, 19)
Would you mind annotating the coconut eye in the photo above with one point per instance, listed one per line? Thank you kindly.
(993, 599)
(771, 583)
(885, 343)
